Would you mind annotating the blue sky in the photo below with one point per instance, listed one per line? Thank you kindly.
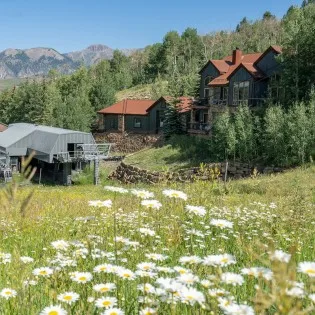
(69, 25)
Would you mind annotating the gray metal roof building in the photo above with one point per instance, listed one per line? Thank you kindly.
(48, 143)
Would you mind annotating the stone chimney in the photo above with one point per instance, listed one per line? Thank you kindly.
(237, 56)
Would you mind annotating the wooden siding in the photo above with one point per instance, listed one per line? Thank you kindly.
(159, 107)
(210, 70)
(129, 123)
(111, 122)
(268, 64)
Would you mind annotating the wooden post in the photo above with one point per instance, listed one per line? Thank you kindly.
(96, 171)
(40, 176)
(123, 116)
(192, 118)
(226, 170)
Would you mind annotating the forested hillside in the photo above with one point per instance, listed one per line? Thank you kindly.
(171, 67)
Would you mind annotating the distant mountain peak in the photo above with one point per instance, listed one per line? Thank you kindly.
(38, 61)
(98, 48)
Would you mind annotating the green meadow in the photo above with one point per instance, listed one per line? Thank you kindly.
(246, 247)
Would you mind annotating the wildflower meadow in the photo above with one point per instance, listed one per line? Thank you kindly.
(204, 248)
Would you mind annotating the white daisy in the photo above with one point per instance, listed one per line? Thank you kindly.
(222, 224)
(43, 272)
(100, 204)
(8, 293)
(232, 278)
(60, 245)
(197, 210)
(116, 189)
(281, 256)
(141, 193)
(81, 277)
(236, 309)
(151, 204)
(191, 296)
(307, 267)
(104, 287)
(125, 273)
(176, 194)
(222, 260)
(53, 310)
(26, 259)
(113, 311)
(106, 302)
(68, 297)
(148, 311)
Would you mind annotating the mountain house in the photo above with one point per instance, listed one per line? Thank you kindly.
(237, 79)
(140, 116)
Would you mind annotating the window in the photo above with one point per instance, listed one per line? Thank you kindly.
(161, 122)
(240, 92)
(137, 123)
(208, 79)
(209, 93)
(224, 93)
(163, 105)
(276, 90)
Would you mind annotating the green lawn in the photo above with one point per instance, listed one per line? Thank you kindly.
(157, 159)
(157, 260)
(142, 91)
(180, 152)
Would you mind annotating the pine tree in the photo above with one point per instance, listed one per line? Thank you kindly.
(173, 124)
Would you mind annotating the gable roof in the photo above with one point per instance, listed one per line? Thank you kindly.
(184, 105)
(16, 132)
(22, 138)
(226, 68)
(128, 107)
(274, 48)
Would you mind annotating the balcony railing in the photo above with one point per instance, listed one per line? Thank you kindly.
(205, 102)
(201, 102)
(218, 102)
(209, 102)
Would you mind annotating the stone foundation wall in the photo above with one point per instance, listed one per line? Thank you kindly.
(127, 142)
(130, 174)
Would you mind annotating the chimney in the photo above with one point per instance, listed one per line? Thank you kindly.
(237, 56)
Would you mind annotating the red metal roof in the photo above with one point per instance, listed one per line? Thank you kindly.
(3, 127)
(142, 107)
(248, 61)
(129, 107)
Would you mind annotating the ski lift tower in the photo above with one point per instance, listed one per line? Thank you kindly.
(96, 152)
(87, 153)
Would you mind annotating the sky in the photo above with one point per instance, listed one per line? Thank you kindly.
(70, 25)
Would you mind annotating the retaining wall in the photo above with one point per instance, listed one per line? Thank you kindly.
(208, 172)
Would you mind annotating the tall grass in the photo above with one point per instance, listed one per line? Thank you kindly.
(267, 213)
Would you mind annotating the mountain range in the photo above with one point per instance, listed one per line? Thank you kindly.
(23, 63)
